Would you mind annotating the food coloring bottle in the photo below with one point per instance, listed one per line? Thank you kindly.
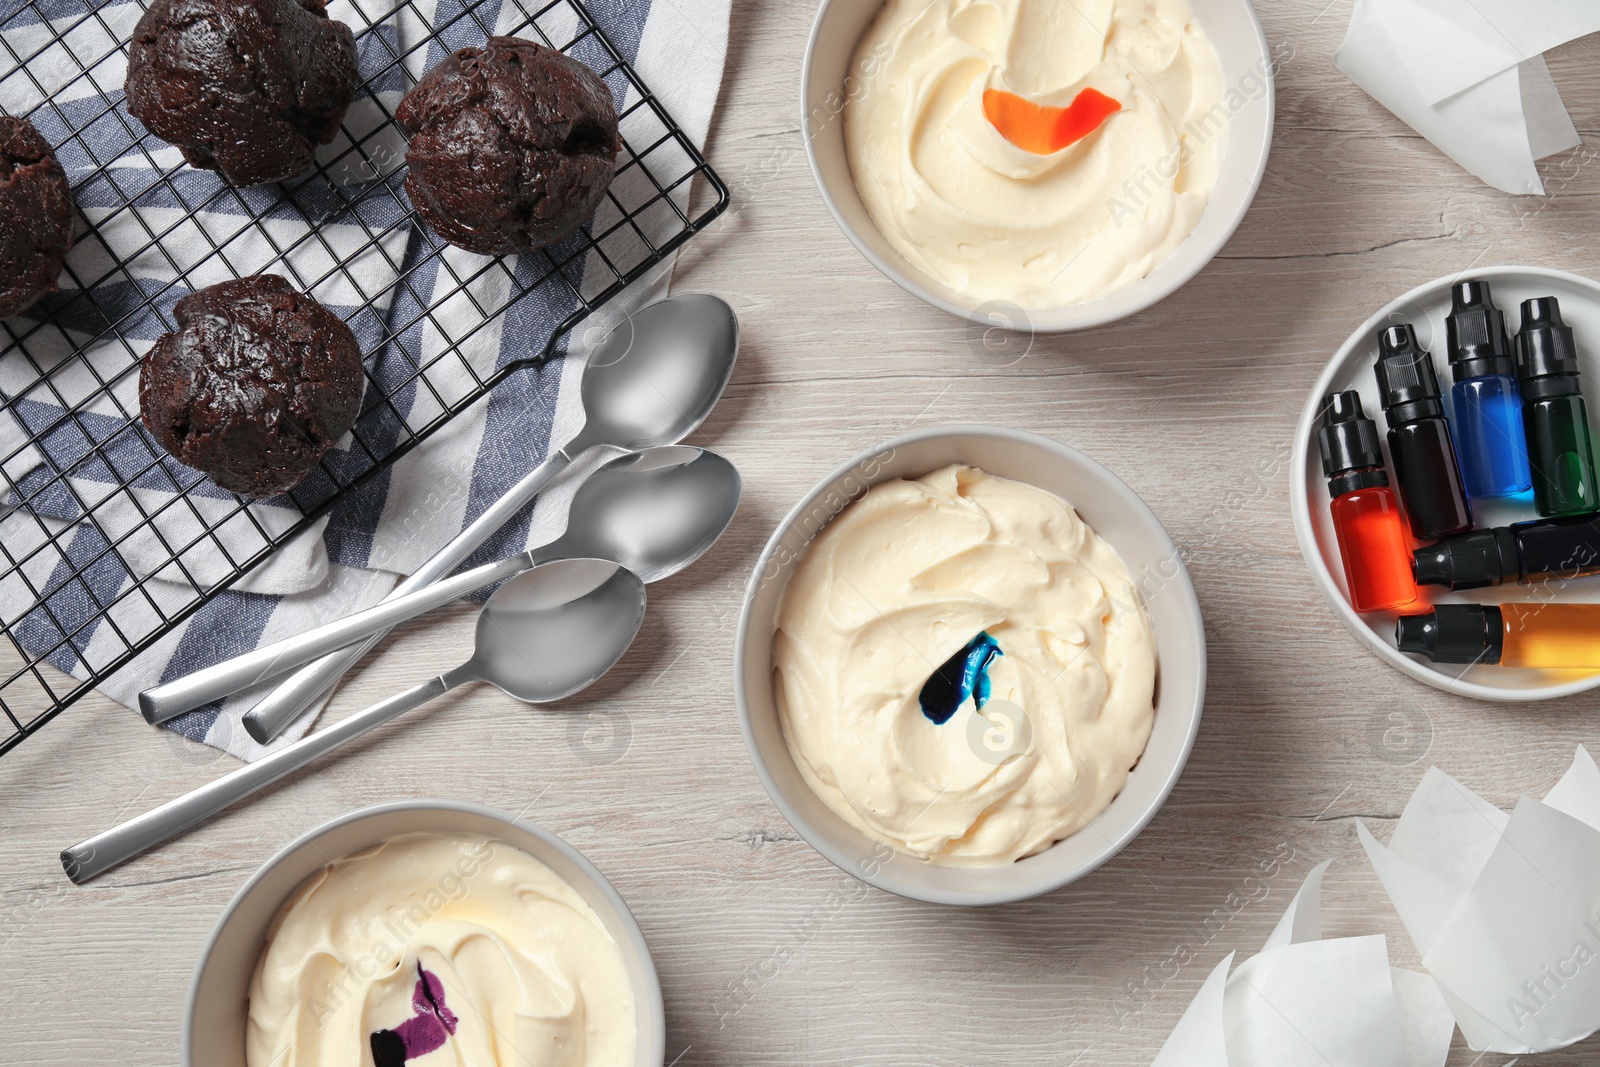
(1419, 439)
(1366, 517)
(1537, 551)
(1553, 410)
(1485, 398)
(1553, 636)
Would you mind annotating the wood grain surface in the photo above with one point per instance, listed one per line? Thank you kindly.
(768, 954)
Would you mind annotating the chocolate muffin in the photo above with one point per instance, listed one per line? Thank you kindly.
(512, 146)
(35, 216)
(257, 384)
(245, 87)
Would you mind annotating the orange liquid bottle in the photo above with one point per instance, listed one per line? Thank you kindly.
(1366, 517)
(1552, 636)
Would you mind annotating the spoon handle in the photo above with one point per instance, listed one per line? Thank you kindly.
(286, 703)
(171, 699)
(92, 858)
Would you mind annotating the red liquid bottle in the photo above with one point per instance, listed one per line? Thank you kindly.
(1366, 516)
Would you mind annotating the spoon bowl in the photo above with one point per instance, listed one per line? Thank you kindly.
(553, 630)
(658, 373)
(655, 512)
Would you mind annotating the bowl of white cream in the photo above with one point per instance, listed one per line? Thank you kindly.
(970, 665)
(423, 931)
(1037, 165)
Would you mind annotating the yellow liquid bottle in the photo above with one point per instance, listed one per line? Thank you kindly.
(1550, 636)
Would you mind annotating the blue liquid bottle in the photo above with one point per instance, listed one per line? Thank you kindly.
(1486, 399)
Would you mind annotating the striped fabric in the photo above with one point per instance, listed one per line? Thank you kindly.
(400, 518)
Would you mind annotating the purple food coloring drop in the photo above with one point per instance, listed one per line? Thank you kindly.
(419, 1035)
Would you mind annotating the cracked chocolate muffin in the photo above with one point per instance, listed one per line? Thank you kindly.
(257, 384)
(512, 146)
(248, 88)
(35, 216)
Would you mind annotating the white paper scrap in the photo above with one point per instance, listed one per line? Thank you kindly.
(1496, 127)
(1550, 127)
(1426, 1025)
(1468, 42)
(1201, 1038)
(1308, 1002)
(1505, 910)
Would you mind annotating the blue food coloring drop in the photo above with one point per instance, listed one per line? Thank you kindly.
(965, 674)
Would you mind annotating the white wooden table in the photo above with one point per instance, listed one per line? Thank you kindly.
(769, 955)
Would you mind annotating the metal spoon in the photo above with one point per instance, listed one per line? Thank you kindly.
(652, 381)
(542, 636)
(655, 512)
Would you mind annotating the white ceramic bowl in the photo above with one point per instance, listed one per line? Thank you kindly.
(1232, 27)
(215, 1013)
(1117, 514)
(1425, 307)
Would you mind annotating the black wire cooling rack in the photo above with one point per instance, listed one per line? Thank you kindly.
(139, 248)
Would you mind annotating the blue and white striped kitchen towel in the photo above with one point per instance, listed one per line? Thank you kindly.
(354, 556)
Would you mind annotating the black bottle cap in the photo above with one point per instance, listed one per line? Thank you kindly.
(1544, 343)
(1407, 382)
(1469, 561)
(1453, 633)
(1475, 333)
(1352, 457)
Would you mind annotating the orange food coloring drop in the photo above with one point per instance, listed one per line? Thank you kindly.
(1042, 130)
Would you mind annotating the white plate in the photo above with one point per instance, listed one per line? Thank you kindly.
(1425, 307)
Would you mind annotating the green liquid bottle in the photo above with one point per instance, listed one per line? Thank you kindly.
(1553, 412)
